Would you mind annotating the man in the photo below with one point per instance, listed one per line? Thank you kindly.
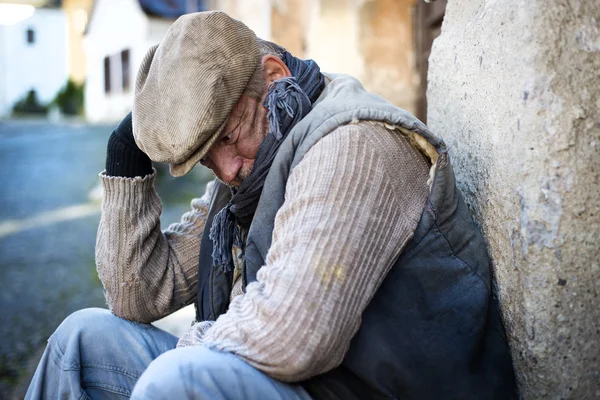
(332, 258)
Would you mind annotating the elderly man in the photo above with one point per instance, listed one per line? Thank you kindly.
(332, 258)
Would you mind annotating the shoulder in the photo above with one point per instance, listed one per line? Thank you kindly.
(366, 153)
(363, 138)
(346, 138)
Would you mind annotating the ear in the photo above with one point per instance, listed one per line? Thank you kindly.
(274, 68)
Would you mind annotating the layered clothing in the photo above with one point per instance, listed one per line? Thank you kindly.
(386, 276)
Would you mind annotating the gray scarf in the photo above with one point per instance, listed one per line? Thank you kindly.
(288, 100)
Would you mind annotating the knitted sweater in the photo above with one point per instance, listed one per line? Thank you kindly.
(351, 205)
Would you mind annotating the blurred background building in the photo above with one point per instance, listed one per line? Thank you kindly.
(33, 52)
(116, 43)
(98, 45)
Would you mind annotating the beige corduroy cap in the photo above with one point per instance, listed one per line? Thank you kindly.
(188, 85)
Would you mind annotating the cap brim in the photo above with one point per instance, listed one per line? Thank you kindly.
(183, 168)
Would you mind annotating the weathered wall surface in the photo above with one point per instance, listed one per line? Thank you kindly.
(386, 44)
(514, 89)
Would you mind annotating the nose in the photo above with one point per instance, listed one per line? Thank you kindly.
(224, 163)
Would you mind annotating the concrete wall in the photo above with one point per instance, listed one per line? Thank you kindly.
(41, 66)
(514, 89)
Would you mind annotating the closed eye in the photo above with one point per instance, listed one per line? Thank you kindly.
(227, 138)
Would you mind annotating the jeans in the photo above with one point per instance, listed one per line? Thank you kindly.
(96, 355)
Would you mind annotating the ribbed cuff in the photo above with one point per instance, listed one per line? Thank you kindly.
(129, 192)
(125, 160)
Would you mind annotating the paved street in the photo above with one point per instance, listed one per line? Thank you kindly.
(47, 231)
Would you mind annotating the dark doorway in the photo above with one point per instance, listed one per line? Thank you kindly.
(428, 24)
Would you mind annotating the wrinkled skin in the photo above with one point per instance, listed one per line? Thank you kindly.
(232, 156)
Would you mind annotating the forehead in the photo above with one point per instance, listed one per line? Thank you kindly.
(240, 113)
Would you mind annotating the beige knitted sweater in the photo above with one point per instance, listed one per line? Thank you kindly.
(350, 207)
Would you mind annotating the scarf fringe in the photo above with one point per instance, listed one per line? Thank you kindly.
(279, 97)
(225, 233)
(221, 233)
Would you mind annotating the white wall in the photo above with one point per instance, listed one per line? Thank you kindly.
(116, 25)
(42, 65)
(157, 30)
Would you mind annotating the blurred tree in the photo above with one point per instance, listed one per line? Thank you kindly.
(30, 104)
(70, 98)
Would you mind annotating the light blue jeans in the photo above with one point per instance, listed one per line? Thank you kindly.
(96, 355)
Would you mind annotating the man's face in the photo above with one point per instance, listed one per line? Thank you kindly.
(232, 156)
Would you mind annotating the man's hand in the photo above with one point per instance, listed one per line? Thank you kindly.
(123, 157)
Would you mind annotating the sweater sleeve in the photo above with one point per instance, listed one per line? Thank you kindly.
(350, 207)
(147, 274)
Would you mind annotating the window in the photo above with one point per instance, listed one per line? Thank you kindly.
(106, 74)
(30, 36)
(125, 70)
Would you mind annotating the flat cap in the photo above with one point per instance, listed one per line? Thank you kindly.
(188, 85)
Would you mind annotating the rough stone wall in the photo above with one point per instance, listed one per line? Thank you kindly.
(514, 89)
